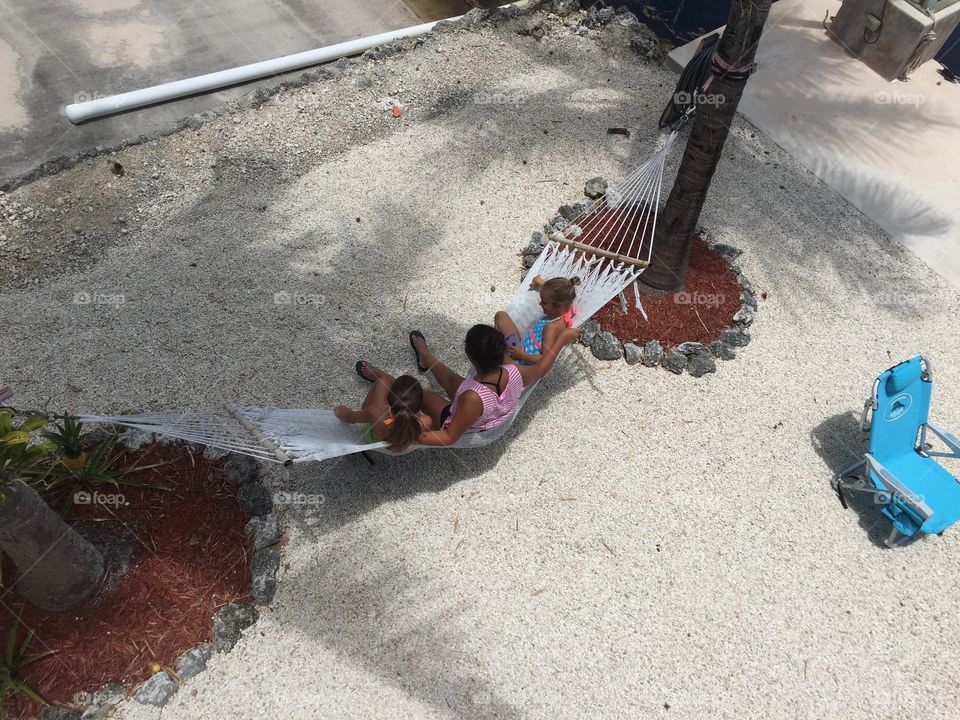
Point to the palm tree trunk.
(711, 124)
(58, 568)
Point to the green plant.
(68, 437)
(19, 458)
(14, 659)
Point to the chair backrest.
(901, 406)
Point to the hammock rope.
(581, 248)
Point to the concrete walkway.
(53, 53)
(888, 148)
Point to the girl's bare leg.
(433, 405)
(448, 379)
(505, 324)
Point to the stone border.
(694, 357)
(644, 42)
(229, 622)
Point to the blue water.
(684, 20)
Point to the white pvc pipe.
(78, 112)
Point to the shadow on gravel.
(839, 441)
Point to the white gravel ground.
(641, 545)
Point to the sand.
(640, 544)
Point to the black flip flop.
(413, 334)
(359, 368)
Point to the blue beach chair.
(911, 488)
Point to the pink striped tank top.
(496, 408)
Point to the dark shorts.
(444, 414)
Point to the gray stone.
(735, 337)
(102, 701)
(532, 26)
(595, 187)
(688, 348)
(157, 690)
(255, 499)
(212, 453)
(565, 7)
(193, 662)
(228, 623)
(133, 440)
(627, 18)
(559, 223)
(265, 531)
(241, 469)
(744, 316)
(675, 361)
(605, 346)
(54, 712)
(632, 353)
(748, 298)
(652, 353)
(605, 15)
(588, 331)
(536, 245)
(727, 252)
(263, 575)
(383, 51)
(569, 212)
(721, 350)
(700, 363)
(529, 260)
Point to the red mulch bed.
(705, 307)
(190, 556)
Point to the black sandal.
(416, 353)
(359, 368)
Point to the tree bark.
(711, 125)
(58, 568)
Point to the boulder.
(229, 622)
(735, 337)
(632, 353)
(605, 346)
(157, 690)
(263, 575)
(255, 499)
(595, 187)
(700, 363)
(674, 361)
(241, 469)
(721, 350)
(588, 331)
(688, 348)
(193, 662)
(264, 529)
(652, 353)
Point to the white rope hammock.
(607, 246)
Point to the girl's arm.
(350, 416)
(518, 353)
(532, 373)
(469, 410)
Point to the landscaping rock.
(652, 353)
(565, 7)
(536, 245)
(727, 252)
(531, 26)
(595, 187)
(193, 662)
(54, 712)
(240, 469)
(688, 348)
(605, 15)
(675, 361)
(721, 350)
(569, 212)
(263, 575)
(605, 346)
(213, 453)
(588, 331)
(102, 701)
(700, 363)
(157, 690)
(228, 624)
(255, 499)
(529, 260)
(132, 440)
(735, 337)
(383, 51)
(744, 316)
(632, 353)
(748, 298)
(265, 531)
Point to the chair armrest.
(949, 439)
(901, 491)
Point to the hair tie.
(569, 315)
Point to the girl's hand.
(536, 282)
(342, 412)
(518, 353)
(568, 334)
